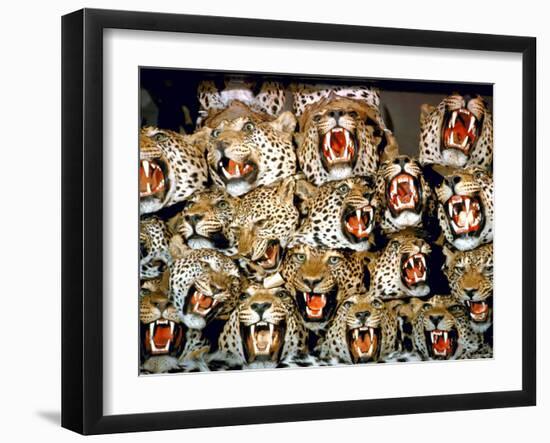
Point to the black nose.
(311, 282)
(221, 146)
(162, 305)
(362, 316)
(193, 219)
(470, 293)
(260, 308)
(436, 319)
(335, 114)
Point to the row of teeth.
(197, 307)
(410, 263)
(252, 334)
(152, 333)
(395, 196)
(466, 217)
(358, 214)
(371, 349)
(452, 122)
(318, 313)
(331, 155)
(434, 335)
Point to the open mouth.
(460, 131)
(358, 223)
(270, 259)
(403, 194)
(152, 178)
(414, 270)
(338, 147)
(162, 337)
(465, 214)
(479, 310)
(315, 306)
(441, 344)
(231, 170)
(200, 303)
(263, 341)
(364, 344)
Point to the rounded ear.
(286, 122)
(425, 111)
(449, 256)
(174, 223)
(178, 249)
(200, 138)
(304, 189)
(286, 190)
(390, 149)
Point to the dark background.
(164, 93)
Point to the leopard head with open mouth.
(457, 133)
(204, 286)
(465, 209)
(340, 214)
(264, 328)
(441, 329)
(171, 167)
(340, 137)
(161, 331)
(234, 157)
(264, 221)
(401, 185)
(470, 275)
(205, 220)
(363, 331)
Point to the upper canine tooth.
(146, 167)
(453, 120)
(472, 123)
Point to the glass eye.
(216, 133)
(343, 188)
(377, 304)
(261, 223)
(426, 306)
(222, 204)
(348, 304)
(333, 260)
(353, 114)
(243, 296)
(317, 118)
(300, 258)
(160, 137)
(248, 127)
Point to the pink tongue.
(440, 344)
(315, 302)
(338, 142)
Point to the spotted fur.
(205, 221)
(470, 275)
(360, 119)
(182, 161)
(265, 146)
(327, 208)
(355, 312)
(432, 120)
(277, 309)
(472, 182)
(445, 313)
(153, 246)
(208, 272)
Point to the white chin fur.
(481, 327)
(160, 364)
(466, 244)
(236, 189)
(405, 219)
(453, 157)
(149, 205)
(194, 321)
(200, 243)
(361, 247)
(419, 291)
(340, 173)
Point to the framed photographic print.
(322, 212)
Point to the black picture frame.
(82, 219)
